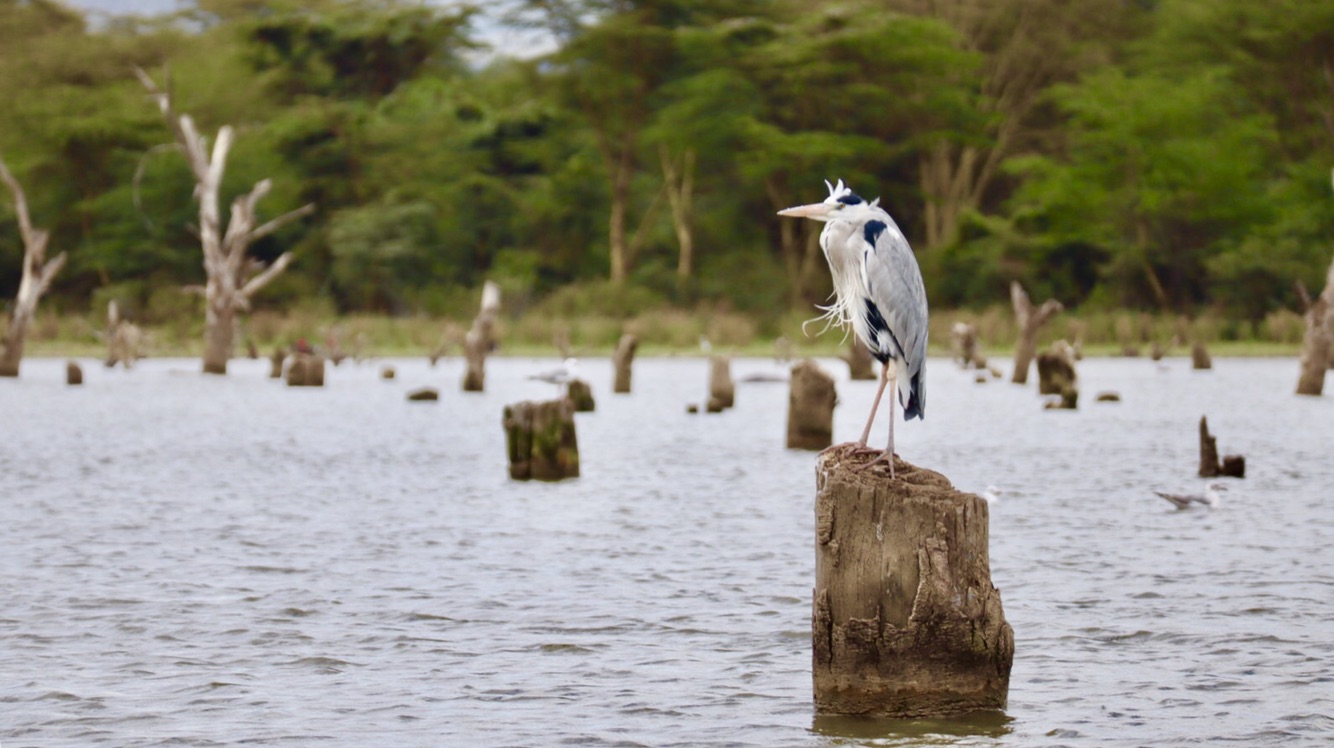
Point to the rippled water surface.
(193, 560)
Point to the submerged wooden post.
(1199, 356)
(860, 366)
(623, 358)
(540, 440)
(581, 395)
(810, 407)
(73, 374)
(722, 392)
(1057, 376)
(1030, 318)
(905, 622)
(276, 363)
(1233, 466)
(305, 370)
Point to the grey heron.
(1210, 498)
(878, 291)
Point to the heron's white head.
(841, 203)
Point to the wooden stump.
(73, 374)
(1209, 465)
(1056, 374)
(810, 407)
(305, 370)
(276, 363)
(581, 395)
(540, 440)
(1318, 339)
(1199, 357)
(1234, 466)
(860, 363)
(722, 391)
(623, 357)
(474, 350)
(1030, 319)
(386, 372)
(424, 394)
(906, 622)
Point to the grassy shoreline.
(669, 333)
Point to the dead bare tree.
(232, 276)
(37, 275)
(1030, 318)
(1318, 342)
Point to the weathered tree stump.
(124, 339)
(1057, 376)
(860, 363)
(622, 358)
(1233, 466)
(810, 407)
(387, 373)
(73, 374)
(722, 391)
(481, 339)
(906, 622)
(276, 362)
(540, 440)
(36, 276)
(1318, 340)
(581, 395)
(1199, 356)
(1030, 319)
(424, 394)
(967, 350)
(305, 370)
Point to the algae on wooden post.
(540, 440)
(906, 622)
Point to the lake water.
(205, 561)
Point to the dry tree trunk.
(1030, 318)
(906, 622)
(481, 339)
(1318, 341)
(124, 339)
(232, 276)
(623, 358)
(38, 273)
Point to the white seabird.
(1210, 498)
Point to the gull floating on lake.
(1184, 501)
(566, 373)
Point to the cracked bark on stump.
(1030, 319)
(906, 622)
(540, 440)
(623, 358)
(810, 407)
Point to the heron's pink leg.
(875, 405)
(888, 454)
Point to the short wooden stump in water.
(305, 370)
(540, 440)
(810, 407)
(73, 373)
(906, 622)
(581, 395)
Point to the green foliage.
(1176, 157)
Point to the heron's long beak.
(818, 211)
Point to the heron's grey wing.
(894, 282)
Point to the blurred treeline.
(1160, 155)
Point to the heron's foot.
(884, 456)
